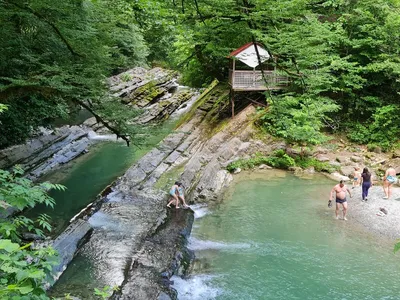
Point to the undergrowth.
(279, 159)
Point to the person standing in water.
(388, 180)
(366, 178)
(340, 190)
(173, 192)
(356, 177)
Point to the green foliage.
(307, 162)
(359, 134)
(248, 163)
(18, 193)
(396, 247)
(340, 56)
(383, 131)
(126, 77)
(297, 119)
(24, 270)
(56, 55)
(279, 159)
(105, 292)
(2, 108)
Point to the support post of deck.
(233, 102)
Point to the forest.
(341, 57)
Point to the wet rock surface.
(137, 244)
(161, 256)
(47, 151)
(137, 87)
(155, 91)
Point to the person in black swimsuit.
(340, 190)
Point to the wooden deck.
(253, 81)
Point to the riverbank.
(132, 229)
(364, 214)
(288, 245)
(369, 215)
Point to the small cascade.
(196, 287)
(200, 210)
(184, 107)
(106, 137)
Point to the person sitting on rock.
(388, 180)
(356, 177)
(173, 192)
(181, 194)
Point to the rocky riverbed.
(154, 91)
(146, 244)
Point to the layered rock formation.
(145, 246)
(155, 91)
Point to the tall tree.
(342, 58)
(56, 55)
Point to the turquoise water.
(273, 237)
(88, 175)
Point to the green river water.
(89, 174)
(273, 237)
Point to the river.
(89, 174)
(273, 237)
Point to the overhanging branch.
(48, 91)
(101, 120)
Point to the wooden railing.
(252, 80)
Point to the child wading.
(356, 177)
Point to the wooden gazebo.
(243, 74)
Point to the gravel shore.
(368, 213)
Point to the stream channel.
(89, 174)
(273, 237)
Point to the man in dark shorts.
(340, 190)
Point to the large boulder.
(337, 176)
(322, 158)
(396, 153)
(347, 170)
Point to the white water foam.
(196, 245)
(185, 107)
(106, 137)
(198, 287)
(200, 210)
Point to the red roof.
(244, 47)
